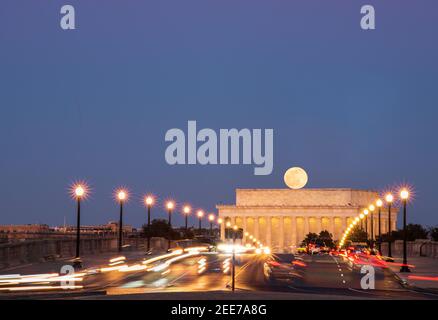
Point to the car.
(282, 268)
(314, 250)
(302, 250)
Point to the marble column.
(256, 227)
(268, 231)
(318, 224)
(293, 221)
(332, 226)
(281, 233)
(245, 229)
(306, 226)
(384, 225)
(344, 224)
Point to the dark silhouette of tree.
(160, 228)
(326, 238)
(188, 234)
(310, 238)
(358, 235)
(433, 233)
(415, 231)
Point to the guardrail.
(17, 253)
(417, 248)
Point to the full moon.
(295, 178)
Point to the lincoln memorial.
(280, 218)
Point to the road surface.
(319, 275)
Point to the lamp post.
(372, 208)
(211, 218)
(389, 198)
(219, 222)
(365, 212)
(200, 214)
(379, 204)
(149, 201)
(186, 211)
(227, 229)
(80, 191)
(233, 270)
(361, 216)
(122, 195)
(169, 205)
(404, 195)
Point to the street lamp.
(233, 270)
(200, 214)
(186, 210)
(122, 196)
(149, 201)
(227, 229)
(365, 212)
(389, 199)
(170, 205)
(79, 192)
(379, 204)
(404, 195)
(211, 218)
(372, 208)
(219, 222)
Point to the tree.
(326, 238)
(414, 231)
(310, 238)
(188, 234)
(358, 235)
(433, 233)
(160, 228)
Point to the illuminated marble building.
(280, 218)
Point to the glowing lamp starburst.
(187, 209)
(79, 190)
(389, 198)
(170, 205)
(149, 201)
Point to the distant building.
(43, 231)
(110, 227)
(25, 228)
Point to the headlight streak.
(42, 282)
(45, 279)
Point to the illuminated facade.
(280, 218)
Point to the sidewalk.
(424, 272)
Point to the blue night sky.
(354, 108)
